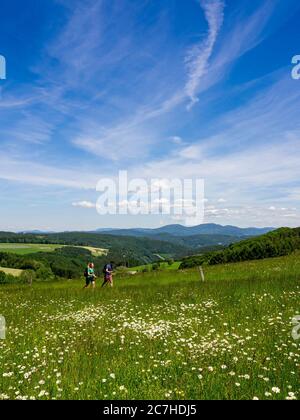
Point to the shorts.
(108, 278)
(89, 280)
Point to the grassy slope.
(25, 249)
(163, 266)
(242, 311)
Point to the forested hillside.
(281, 242)
(122, 247)
(70, 260)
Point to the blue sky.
(190, 89)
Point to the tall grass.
(160, 335)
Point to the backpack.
(86, 273)
(107, 267)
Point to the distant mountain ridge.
(36, 232)
(182, 231)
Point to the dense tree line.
(280, 242)
(141, 250)
(70, 261)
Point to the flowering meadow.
(162, 335)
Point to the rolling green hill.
(281, 242)
(199, 241)
(124, 249)
(66, 254)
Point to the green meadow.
(162, 266)
(24, 249)
(158, 335)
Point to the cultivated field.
(13, 271)
(162, 335)
(24, 249)
(96, 252)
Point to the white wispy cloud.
(29, 128)
(199, 55)
(253, 215)
(204, 70)
(29, 172)
(241, 35)
(86, 48)
(253, 154)
(263, 161)
(118, 144)
(252, 150)
(84, 204)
